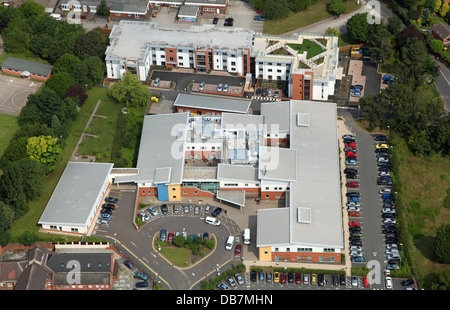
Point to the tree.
(441, 246)
(15, 36)
(60, 83)
(103, 9)
(358, 27)
(378, 43)
(32, 9)
(437, 45)
(332, 32)
(437, 6)
(130, 91)
(44, 149)
(6, 216)
(89, 44)
(336, 7)
(444, 9)
(96, 69)
(394, 25)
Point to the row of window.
(326, 250)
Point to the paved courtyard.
(14, 92)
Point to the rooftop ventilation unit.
(304, 215)
(303, 119)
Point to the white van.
(246, 236)
(229, 244)
(212, 220)
(56, 16)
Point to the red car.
(353, 213)
(283, 278)
(352, 144)
(298, 278)
(350, 153)
(351, 184)
(353, 223)
(237, 251)
(365, 282)
(170, 237)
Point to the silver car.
(219, 87)
(202, 86)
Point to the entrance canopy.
(234, 197)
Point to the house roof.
(26, 65)
(442, 30)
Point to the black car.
(391, 240)
(356, 242)
(215, 20)
(335, 279)
(385, 169)
(351, 176)
(264, 92)
(342, 279)
(108, 206)
(229, 19)
(388, 215)
(142, 284)
(128, 264)
(258, 91)
(393, 261)
(351, 170)
(360, 87)
(320, 279)
(112, 199)
(216, 212)
(381, 138)
(352, 194)
(290, 277)
(227, 24)
(382, 150)
(107, 211)
(253, 275)
(164, 209)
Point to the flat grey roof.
(26, 65)
(317, 188)
(245, 173)
(130, 39)
(76, 193)
(249, 122)
(277, 163)
(161, 150)
(212, 103)
(236, 197)
(276, 115)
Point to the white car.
(393, 256)
(144, 216)
(388, 282)
(389, 220)
(384, 173)
(354, 281)
(392, 251)
(353, 208)
(355, 253)
(353, 204)
(355, 248)
(385, 191)
(382, 159)
(388, 210)
(391, 246)
(202, 86)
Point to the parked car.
(350, 162)
(170, 237)
(216, 212)
(215, 20)
(342, 279)
(381, 138)
(366, 282)
(156, 82)
(230, 281)
(219, 87)
(314, 279)
(306, 278)
(222, 286)
(352, 208)
(354, 281)
(109, 206)
(388, 281)
(112, 199)
(164, 209)
(141, 284)
(351, 184)
(153, 211)
(283, 278)
(298, 278)
(207, 208)
(202, 84)
(239, 278)
(382, 146)
(290, 277)
(276, 93)
(321, 279)
(128, 264)
(353, 214)
(352, 194)
(253, 275)
(335, 279)
(407, 282)
(276, 277)
(140, 275)
(225, 88)
(259, 18)
(186, 209)
(268, 277)
(348, 137)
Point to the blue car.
(350, 162)
(142, 284)
(357, 259)
(260, 18)
(381, 138)
(349, 199)
(387, 196)
(163, 235)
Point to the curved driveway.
(137, 246)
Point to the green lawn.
(103, 126)
(313, 14)
(309, 46)
(28, 222)
(8, 126)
